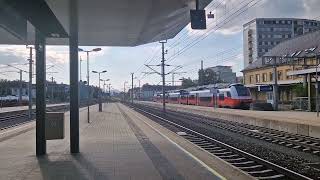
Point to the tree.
(207, 76)
(186, 83)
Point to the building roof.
(306, 45)
(254, 20)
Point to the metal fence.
(301, 103)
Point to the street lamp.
(124, 90)
(100, 103)
(104, 83)
(89, 90)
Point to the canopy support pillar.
(74, 79)
(40, 46)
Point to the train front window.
(242, 91)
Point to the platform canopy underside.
(116, 22)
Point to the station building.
(262, 34)
(290, 56)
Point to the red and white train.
(235, 96)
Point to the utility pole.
(124, 90)
(52, 79)
(109, 90)
(30, 84)
(89, 88)
(132, 88)
(20, 89)
(163, 77)
(139, 91)
(275, 85)
(80, 69)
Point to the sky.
(220, 44)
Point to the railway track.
(17, 118)
(302, 143)
(253, 165)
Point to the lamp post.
(88, 72)
(99, 94)
(104, 84)
(109, 86)
(124, 90)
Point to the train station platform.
(297, 122)
(119, 143)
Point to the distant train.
(9, 101)
(235, 96)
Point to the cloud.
(55, 54)
(264, 8)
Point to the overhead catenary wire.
(149, 60)
(236, 13)
(209, 31)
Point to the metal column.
(132, 88)
(41, 145)
(30, 84)
(163, 79)
(74, 77)
(20, 88)
(89, 88)
(275, 88)
(309, 92)
(99, 93)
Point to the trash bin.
(54, 125)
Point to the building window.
(288, 76)
(264, 77)
(271, 76)
(280, 75)
(257, 78)
(251, 79)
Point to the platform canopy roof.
(105, 22)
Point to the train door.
(221, 100)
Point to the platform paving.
(113, 146)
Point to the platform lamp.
(100, 102)
(88, 77)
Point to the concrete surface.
(116, 145)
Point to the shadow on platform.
(69, 167)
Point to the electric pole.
(174, 73)
(139, 91)
(275, 86)
(124, 90)
(52, 79)
(132, 88)
(80, 69)
(30, 83)
(20, 89)
(163, 77)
